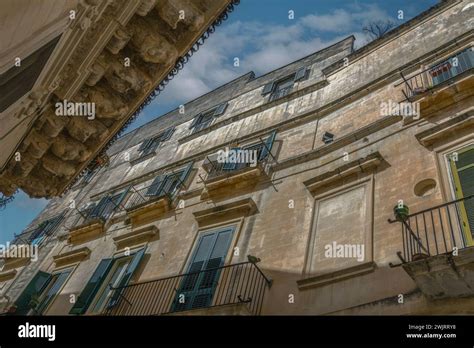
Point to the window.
(99, 292)
(283, 87)
(169, 183)
(149, 145)
(41, 292)
(205, 119)
(199, 286)
(462, 171)
(55, 284)
(105, 207)
(45, 229)
(453, 66)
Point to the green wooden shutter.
(230, 165)
(300, 74)
(145, 144)
(156, 186)
(167, 134)
(90, 290)
(99, 208)
(268, 88)
(220, 109)
(59, 279)
(195, 121)
(34, 287)
(268, 146)
(464, 168)
(132, 266)
(185, 173)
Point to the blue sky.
(262, 36)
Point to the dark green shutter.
(220, 109)
(145, 144)
(185, 173)
(268, 146)
(99, 207)
(34, 287)
(300, 74)
(167, 134)
(155, 186)
(268, 88)
(230, 165)
(465, 168)
(132, 266)
(59, 279)
(195, 121)
(90, 290)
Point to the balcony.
(229, 177)
(232, 289)
(143, 205)
(437, 248)
(90, 222)
(443, 84)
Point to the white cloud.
(262, 48)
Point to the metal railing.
(218, 169)
(437, 230)
(433, 76)
(280, 93)
(146, 195)
(240, 283)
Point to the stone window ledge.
(362, 165)
(85, 232)
(333, 277)
(135, 237)
(446, 129)
(243, 207)
(71, 256)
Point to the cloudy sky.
(263, 37)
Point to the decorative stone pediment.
(135, 237)
(71, 256)
(85, 232)
(228, 211)
(7, 275)
(363, 165)
(454, 127)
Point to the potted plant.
(401, 212)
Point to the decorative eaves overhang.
(89, 66)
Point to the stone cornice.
(88, 66)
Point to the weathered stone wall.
(292, 223)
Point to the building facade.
(341, 183)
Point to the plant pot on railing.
(401, 212)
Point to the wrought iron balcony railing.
(437, 230)
(261, 156)
(147, 195)
(280, 93)
(444, 71)
(240, 283)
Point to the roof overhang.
(110, 61)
